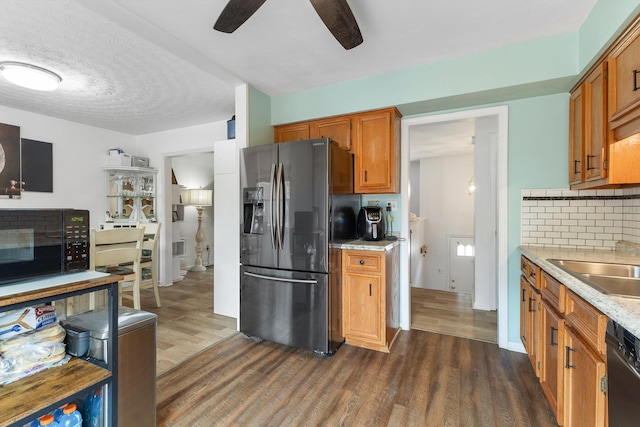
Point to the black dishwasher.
(623, 366)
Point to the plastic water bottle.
(97, 416)
(86, 410)
(58, 413)
(70, 416)
(48, 421)
(92, 410)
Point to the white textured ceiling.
(140, 66)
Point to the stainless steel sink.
(608, 278)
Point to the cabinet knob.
(361, 262)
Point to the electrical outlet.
(374, 202)
(441, 271)
(394, 205)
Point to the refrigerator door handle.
(281, 201)
(272, 214)
(281, 279)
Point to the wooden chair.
(118, 252)
(149, 258)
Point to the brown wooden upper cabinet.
(604, 123)
(588, 130)
(292, 132)
(373, 137)
(377, 152)
(336, 128)
(624, 85)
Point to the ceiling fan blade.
(337, 16)
(235, 13)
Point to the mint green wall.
(538, 158)
(607, 19)
(541, 61)
(259, 118)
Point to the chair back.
(151, 236)
(114, 247)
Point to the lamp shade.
(197, 197)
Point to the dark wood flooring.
(428, 379)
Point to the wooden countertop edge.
(53, 291)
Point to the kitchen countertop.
(623, 310)
(365, 245)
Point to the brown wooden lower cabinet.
(370, 298)
(551, 340)
(564, 337)
(584, 384)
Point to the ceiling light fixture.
(29, 76)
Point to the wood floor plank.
(186, 322)
(451, 313)
(427, 380)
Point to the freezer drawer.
(286, 307)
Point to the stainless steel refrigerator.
(289, 277)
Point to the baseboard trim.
(516, 346)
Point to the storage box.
(119, 159)
(141, 162)
(77, 341)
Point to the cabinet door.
(377, 152)
(624, 76)
(524, 304)
(552, 334)
(533, 325)
(336, 128)
(292, 132)
(595, 124)
(584, 392)
(576, 143)
(362, 307)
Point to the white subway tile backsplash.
(585, 219)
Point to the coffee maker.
(371, 223)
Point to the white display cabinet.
(130, 194)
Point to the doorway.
(187, 323)
(489, 223)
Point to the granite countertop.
(623, 310)
(365, 245)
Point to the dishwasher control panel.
(628, 344)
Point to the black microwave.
(42, 242)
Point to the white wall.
(79, 156)
(196, 171)
(414, 187)
(447, 208)
(485, 295)
(160, 147)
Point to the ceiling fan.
(336, 15)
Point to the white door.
(461, 264)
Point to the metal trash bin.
(136, 359)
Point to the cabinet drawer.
(529, 271)
(363, 261)
(586, 320)
(553, 292)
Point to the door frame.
(501, 211)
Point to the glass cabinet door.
(131, 194)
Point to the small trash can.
(136, 359)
